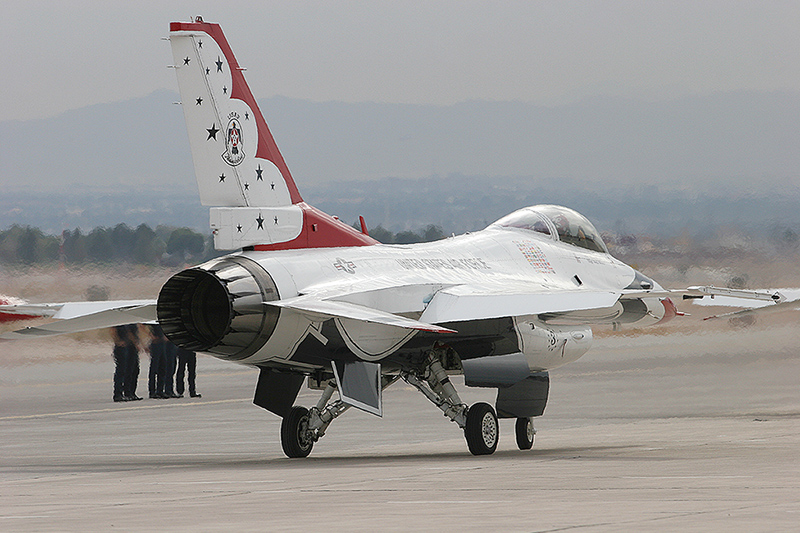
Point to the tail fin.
(238, 166)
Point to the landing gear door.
(359, 385)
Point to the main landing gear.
(302, 427)
(479, 421)
(481, 429)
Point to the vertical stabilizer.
(236, 160)
(240, 171)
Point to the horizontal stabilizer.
(102, 319)
(66, 310)
(237, 227)
(334, 309)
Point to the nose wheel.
(525, 433)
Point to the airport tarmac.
(649, 432)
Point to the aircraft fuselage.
(518, 267)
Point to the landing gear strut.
(479, 422)
(301, 428)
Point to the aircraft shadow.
(202, 461)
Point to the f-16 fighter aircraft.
(309, 298)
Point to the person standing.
(156, 375)
(187, 360)
(126, 361)
(132, 367)
(170, 362)
(119, 334)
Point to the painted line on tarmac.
(118, 409)
(28, 384)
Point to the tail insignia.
(234, 143)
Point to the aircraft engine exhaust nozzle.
(218, 308)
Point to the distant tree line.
(428, 234)
(164, 245)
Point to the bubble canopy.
(558, 223)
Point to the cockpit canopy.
(553, 220)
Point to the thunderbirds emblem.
(234, 142)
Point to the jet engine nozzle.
(219, 308)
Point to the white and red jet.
(309, 297)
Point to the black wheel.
(525, 433)
(294, 433)
(482, 431)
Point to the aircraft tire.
(482, 430)
(294, 441)
(525, 433)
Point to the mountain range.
(728, 156)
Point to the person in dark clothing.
(170, 362)
(119, 334)
(163, 357)
(126, 360)
(158, 362)
(187, 360)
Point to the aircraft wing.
(459, 303)
(691, 293)
(735, 298)
(77, 317)
(338, 309)
(477, 302)
(434, 304)
(761, 310)
(790, 301)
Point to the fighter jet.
(307, 298)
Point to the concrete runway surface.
(645, 433)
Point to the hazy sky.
(69, 54)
